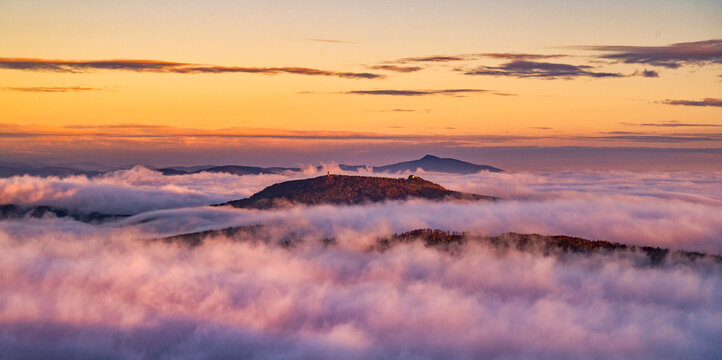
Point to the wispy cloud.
(542, 70)
(331, 41)
(155, 66)
(647, 73)
(518, 56)
(704, 102)
(399, 110)
(670, 56)
(453, 92)
(673, 124)
(396, 68)
(468, 57)
(45, 89)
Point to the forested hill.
(348, 190)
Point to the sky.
(280, 82)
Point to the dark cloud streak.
(705, 102)
(670, 56)
(541, 70)
(154, 66)
(41, 89)
(453, 92)
(396, 68)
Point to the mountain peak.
(430, 157)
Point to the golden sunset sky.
(159, 75)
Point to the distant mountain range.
(12, 211)
(9, 171)
(230, 169)
(347, 190)
(427, 163)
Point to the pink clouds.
(322, 302)
(69, 289)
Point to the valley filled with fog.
(107, 290)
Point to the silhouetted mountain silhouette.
(12, 211)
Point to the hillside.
(348, 190)
(452, 242)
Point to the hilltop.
(349, 190)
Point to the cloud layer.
(670, 56)
(111, 296)
(668, 209)
(71, 289)
(542, 70)
(156, 66)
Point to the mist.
(70, 289)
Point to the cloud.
(330, 41)
(651, 208)
(453, 92)
(670, 56)
(73, 290)
(517, 56)
(396, 68)
(542, 70)
(705, 102)
(654, 138)
(647, 73)
(469, 57)
(155, 66)
(674, 124)
(399, 110)
(160, 146)
(437, 58)
(58, 89)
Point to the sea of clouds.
(75, 290)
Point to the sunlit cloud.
(673, 124)
(331, 41)
(453, 92)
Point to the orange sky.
(317, 68)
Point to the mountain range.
(427, 163)
(12, 211)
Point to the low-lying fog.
(69, 288)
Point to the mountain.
(544, 245)
(8, 171)
(347, 190)
(12, 211)
(437, 164)
(426, 163)
(230, 169)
